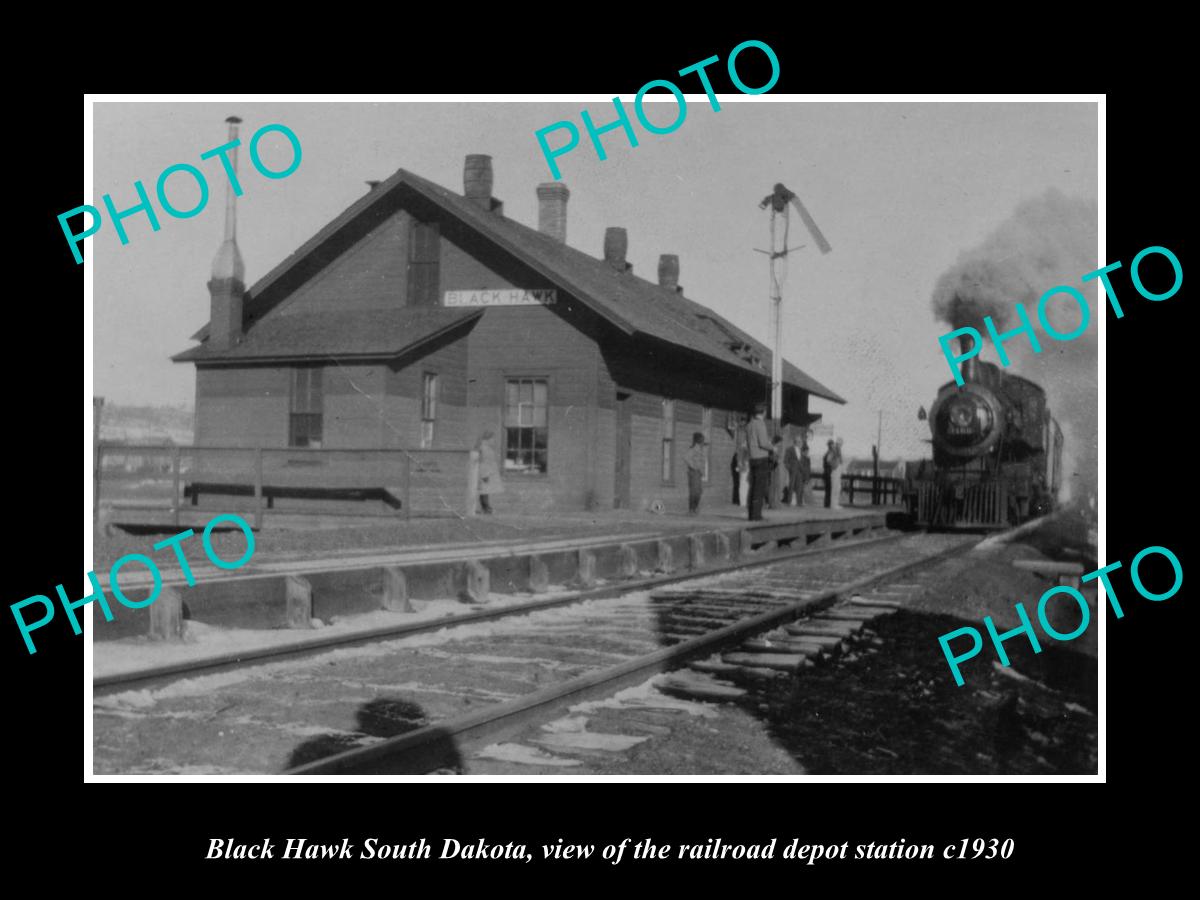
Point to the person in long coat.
(828, 464)
(805, 471)
(794, 487)
(838, 466)
(489, 472)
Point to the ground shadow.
(382, 717)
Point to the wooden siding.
(541, 342)
(403, 385)
(371, 274)
(352, 415)
(242, 407)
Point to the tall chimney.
(668, 271)
(477, 180)
(616, 243)
(552, 210)
(227, 286)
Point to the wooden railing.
(881, 491)
(403, 482)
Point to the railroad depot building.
(419, 318)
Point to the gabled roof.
(629, 302)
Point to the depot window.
(526, 432)
(429, 392)
(668, 440)
(307, 408)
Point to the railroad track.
(158, 676)
(473, 685)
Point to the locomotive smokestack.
(968, 366)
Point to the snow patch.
(647, 696)
(590, 740)
(523, 755)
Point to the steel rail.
(434, 745)
(143, 678)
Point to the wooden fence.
(392, 482)
(882, 490)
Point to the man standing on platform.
(793, 492)
(760, 461)
(695, 460)
(828, 464)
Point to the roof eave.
(190, 354)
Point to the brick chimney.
(227, 286)
(552, 210)
(668, 272)
(477, 180)
(616, 244)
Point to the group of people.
(762, 467)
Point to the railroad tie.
(684, 628)
(881, 604)
(778, 645)
(820, 640)
(699, 687)
(839, 629)
(784, 662)
(843, 614)
(714, 666)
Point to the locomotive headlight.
(962, 414)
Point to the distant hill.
(146, 424)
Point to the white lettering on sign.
(505, 297)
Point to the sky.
(900, 190)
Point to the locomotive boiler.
(997, 453)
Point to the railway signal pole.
(779, 201)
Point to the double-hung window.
(307, 407)
(526, 429)
(429, 397)
(668, 440)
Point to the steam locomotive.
(997, 453)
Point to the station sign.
(503, 297)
